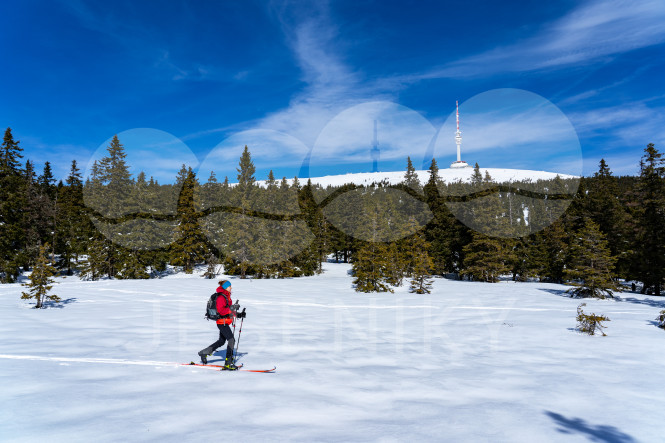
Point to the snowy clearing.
(469, 362)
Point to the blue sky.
(541, 86)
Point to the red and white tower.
(458, 141)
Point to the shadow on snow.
(617, 297)
(58, 304)
(599, 433)
(559, 292)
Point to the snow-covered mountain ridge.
(447, 175)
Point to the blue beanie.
(226, 285)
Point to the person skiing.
(227, 312)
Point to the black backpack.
(211, 308)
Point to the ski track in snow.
(469, 362)
(89, 360)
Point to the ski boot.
(229, 365)
(204, 357)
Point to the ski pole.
(234, 320)
(235, 354)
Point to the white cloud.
(593, 32)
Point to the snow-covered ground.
(448, 175)
(469, 362)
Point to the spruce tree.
(74, 227)
(411, 177)
(476, 177)
(109, 192)
(212, 266)
(10, 155)
(649, 263)
(602, 204)
(41, 280)
(132, 266)
(397, 263)
(12, 205)
(35, 224)
(441, 229)
(486, 258)
(190, 248)
(239, 234)
(48, 195)
(371, 263)
(547, 252)
(211, 196)
(311, 258)
(370, 268)
(47, 182)
(114, 169)
(95, 264)
(246, 179)
(520, 259)
(591, 263)
(420, 264)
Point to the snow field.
(469, 362)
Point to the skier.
(227, 312)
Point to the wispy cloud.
(140, 38)
(270, 150)
(325, 115)
(594, 32)
(348, 138)
(60, 156)
(330, 85)
(512, 128)
(597, 91)
(626, 130)
(627, 122)
(194, 72)
(156, 153)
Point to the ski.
(266, 371)
(221, 368)
(205, 366)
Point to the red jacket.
(224, 307)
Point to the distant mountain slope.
(447, 175)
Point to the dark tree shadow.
(559, 292)
(58, 304)
(647, 302)
(617, 297)
(655, 323)
(599, 433)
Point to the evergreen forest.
(593, 233)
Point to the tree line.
(589, 231)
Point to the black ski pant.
(225, 335)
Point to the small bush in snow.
(661, 319)
(590, 323)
